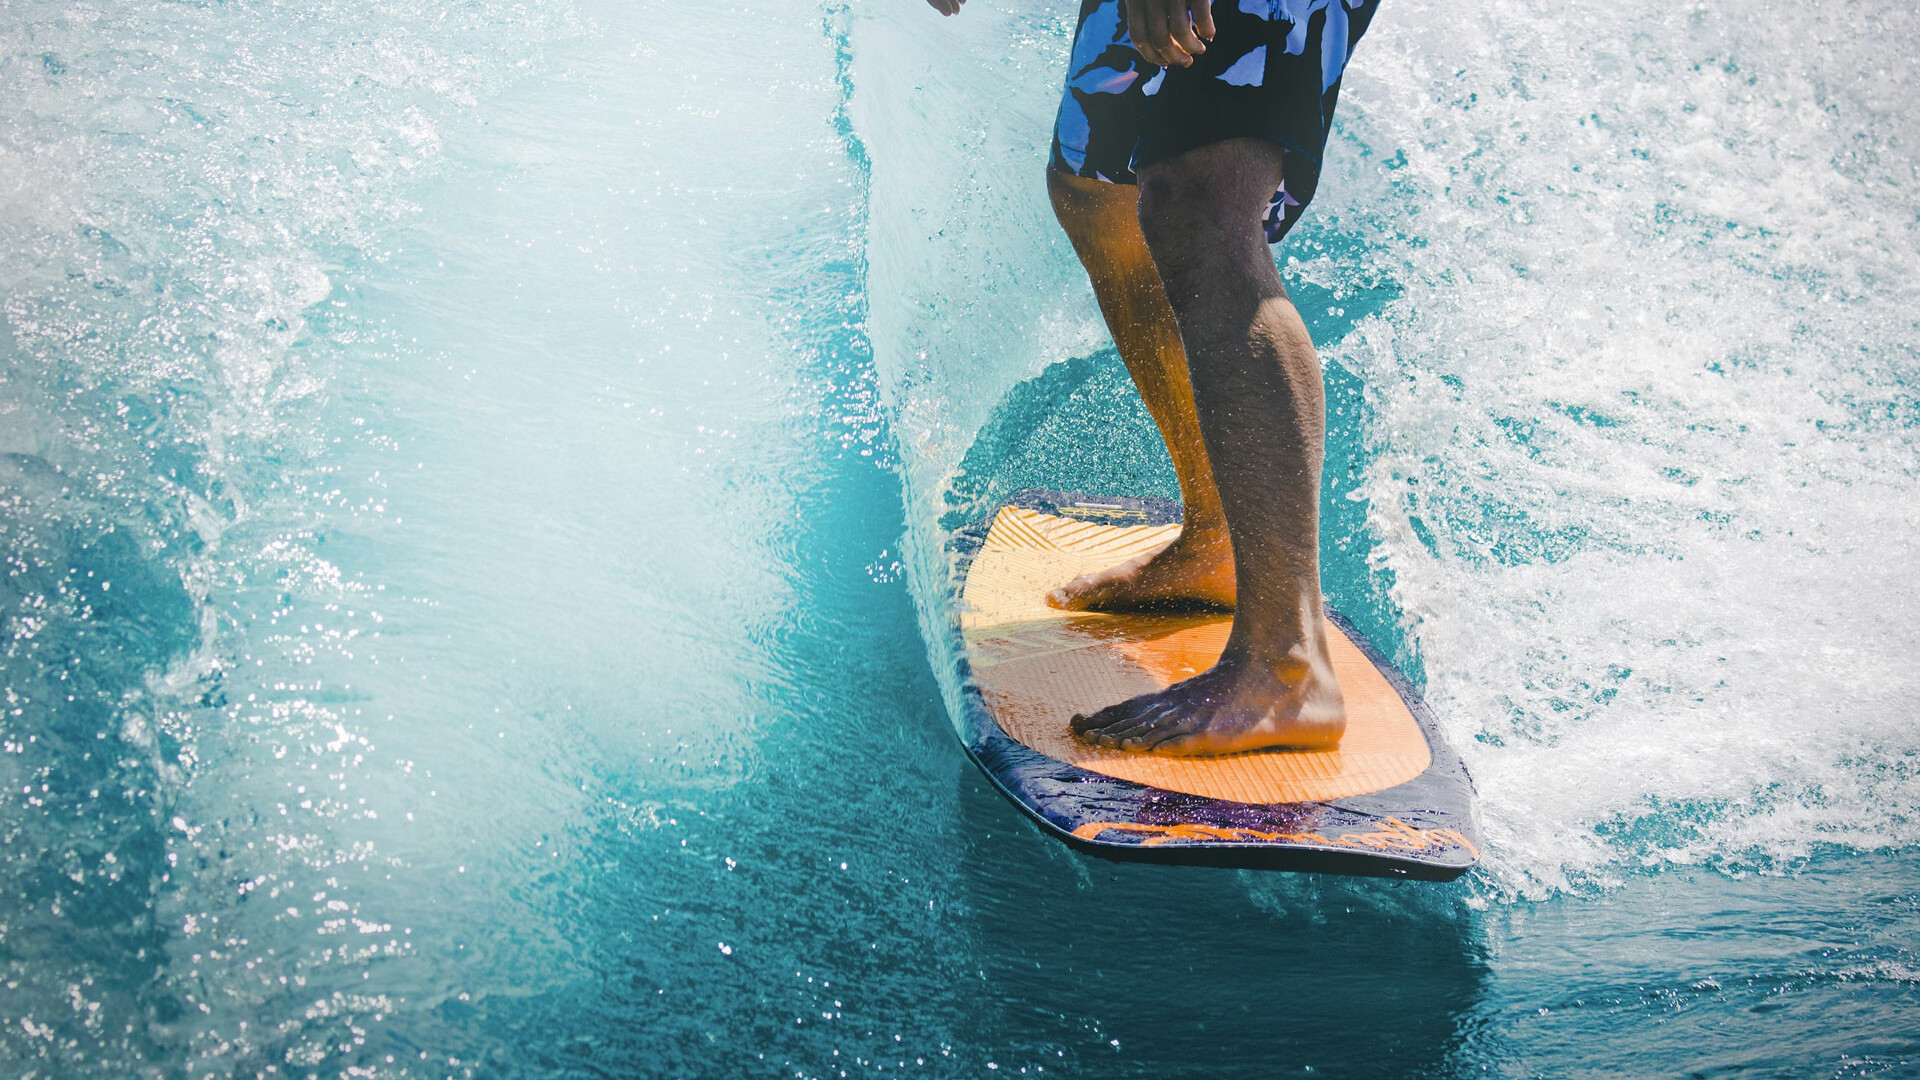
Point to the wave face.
(1616, 307)
(419, 424)
(451, 607)
(185, 188)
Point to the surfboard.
(1392, 800)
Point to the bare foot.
(1185, 574)
(1236, 705)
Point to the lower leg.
(1102, 221)
(1260, 404)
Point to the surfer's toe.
(1139, 723)
(1100, 728)
(1186, 574)
(1230, 708)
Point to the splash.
(183, 186)
(1628, 293)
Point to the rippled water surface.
(473, 476)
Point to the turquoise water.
(471, 481)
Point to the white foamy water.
(1641, 410)
(1646, 420)
(386, 395)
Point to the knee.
(1208, 200)
(1181, 215)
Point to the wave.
(185, 185)
(1616, 305)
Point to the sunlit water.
(472, 479)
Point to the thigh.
(1272, 72)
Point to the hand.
(946, 7)
(1169, 32)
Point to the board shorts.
(1271, 72)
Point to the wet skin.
(1196, 569)
(1187, 283)
(1252, 393)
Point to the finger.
(1202, 17)
(1180, 29)
(1137, 17)
(1160, 35)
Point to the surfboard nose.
(1391, 798)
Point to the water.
(472, 482)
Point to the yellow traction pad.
(1036, 667)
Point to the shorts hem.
(1055, 163)
(1145, 156)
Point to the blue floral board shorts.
(1271, 72)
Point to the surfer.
(1189, 139)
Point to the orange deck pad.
(1036, 667)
